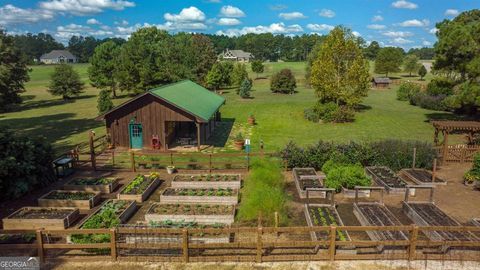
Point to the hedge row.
(396, 154)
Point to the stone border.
(303, 193)
(10, 223)
(200, 219)
(124, 216)
(382, 183)
(223, 200)
(140, 198)
(107, 189)
(313, 235)
(80, 204)
(409, 176)
(206, 184)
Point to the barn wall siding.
(149, 111)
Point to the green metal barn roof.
(190, 97)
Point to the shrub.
(332, 112)
(429, 102)
(474, 173)
(245, 88)
(264, 193)
(104, 103)
(407, 90)
(440, 86)
(347, 176)
(283, 82)
(311, 115)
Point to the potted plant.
(470, 178)
(251, 120)
(170, 169)
(239, 141)
(143, 162)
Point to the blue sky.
(391, 22)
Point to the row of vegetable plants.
(140, 187)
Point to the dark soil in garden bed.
(207, 178)
(67, 195)
(324, 216)
(423, 176)
(191, 209)
(44, 213)
(310, 183)
(304, 172)
(436, 217)
(388, 177)
(377, 215)
(92, 181)
(199, 192)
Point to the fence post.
(185, 245)
(113, 244)
(210, 163)
(434, 171)
(259, 244)
(248, 161)
(414, 157)
(40, 252)
(132, 161)
(413, 243)
(113, 157)
(331, 249)
(92, 150)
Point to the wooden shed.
(182, 113)
(381, 82)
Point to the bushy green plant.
(311, 115)
(264, 193)
(407, 90)
(283, 82)
(429, 102)
(474, 173)
(347, 176)
(440, 86)
(332, 112)
(104, 102)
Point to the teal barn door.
(136, 137)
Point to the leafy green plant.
(347, 176)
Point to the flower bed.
(103, 184)
(308, 178)
(198, 213)
(213, 196)
(33, 218)
(66, 198)
(207, 181)
(326, 215)
(421, 177)
(140, 188)
(385, 177)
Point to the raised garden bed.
(195, 196)
(102, 184)
(69, 198)
(198, 213)
(123, 210)
(140, 188)
(307, 178)
(350, 193)
(387, 178)
(33, 218)
(232, 181)
(327, 215)
(376, 214)
(421, 177)
(428, 214)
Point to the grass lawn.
(279, 117)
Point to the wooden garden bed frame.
(106, 189)
(379, 181)
(185, 199)
(140, 198)
(80, 204)
(206, 184)
(406, 173)
(12, 223)
(123, 217)
(227, 219)
(340, 249)
(420, 221)
(359, 212)
(303, 193)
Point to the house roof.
(186, 95)
(238, 53)
(57, 53)
(381, 80)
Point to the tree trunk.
(114, 91)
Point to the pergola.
(469, 128)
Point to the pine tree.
(65, 82)
(245, 88)
(214, 77)
(422, 72)
(104, 103)
(103, 66)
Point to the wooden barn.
(182, 114)
(378, 82)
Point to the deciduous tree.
(204, 56)
(389, 59)
(65, 82)
(258, 67)
(239, 74)
(411, 64)
(422, 71)
(283, 82)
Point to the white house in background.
(57, 57)
(236, 55)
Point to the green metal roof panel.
(191, 97)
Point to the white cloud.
(327, 13)
(10, 14)
(401, 41)
(67, 31)
(376, 26)
(357, 34)
(433, 31)
(320, 27)
(191, 14)
(232, 12)
(278, 7)
(404, 4)
(292, 15)
(93, 21)
(415, 23)
(228, 21)
(274, 28)
(451, 12)
(395, 34)
(377, 18)
(84, 7)
(122, 22)
(426, 43)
